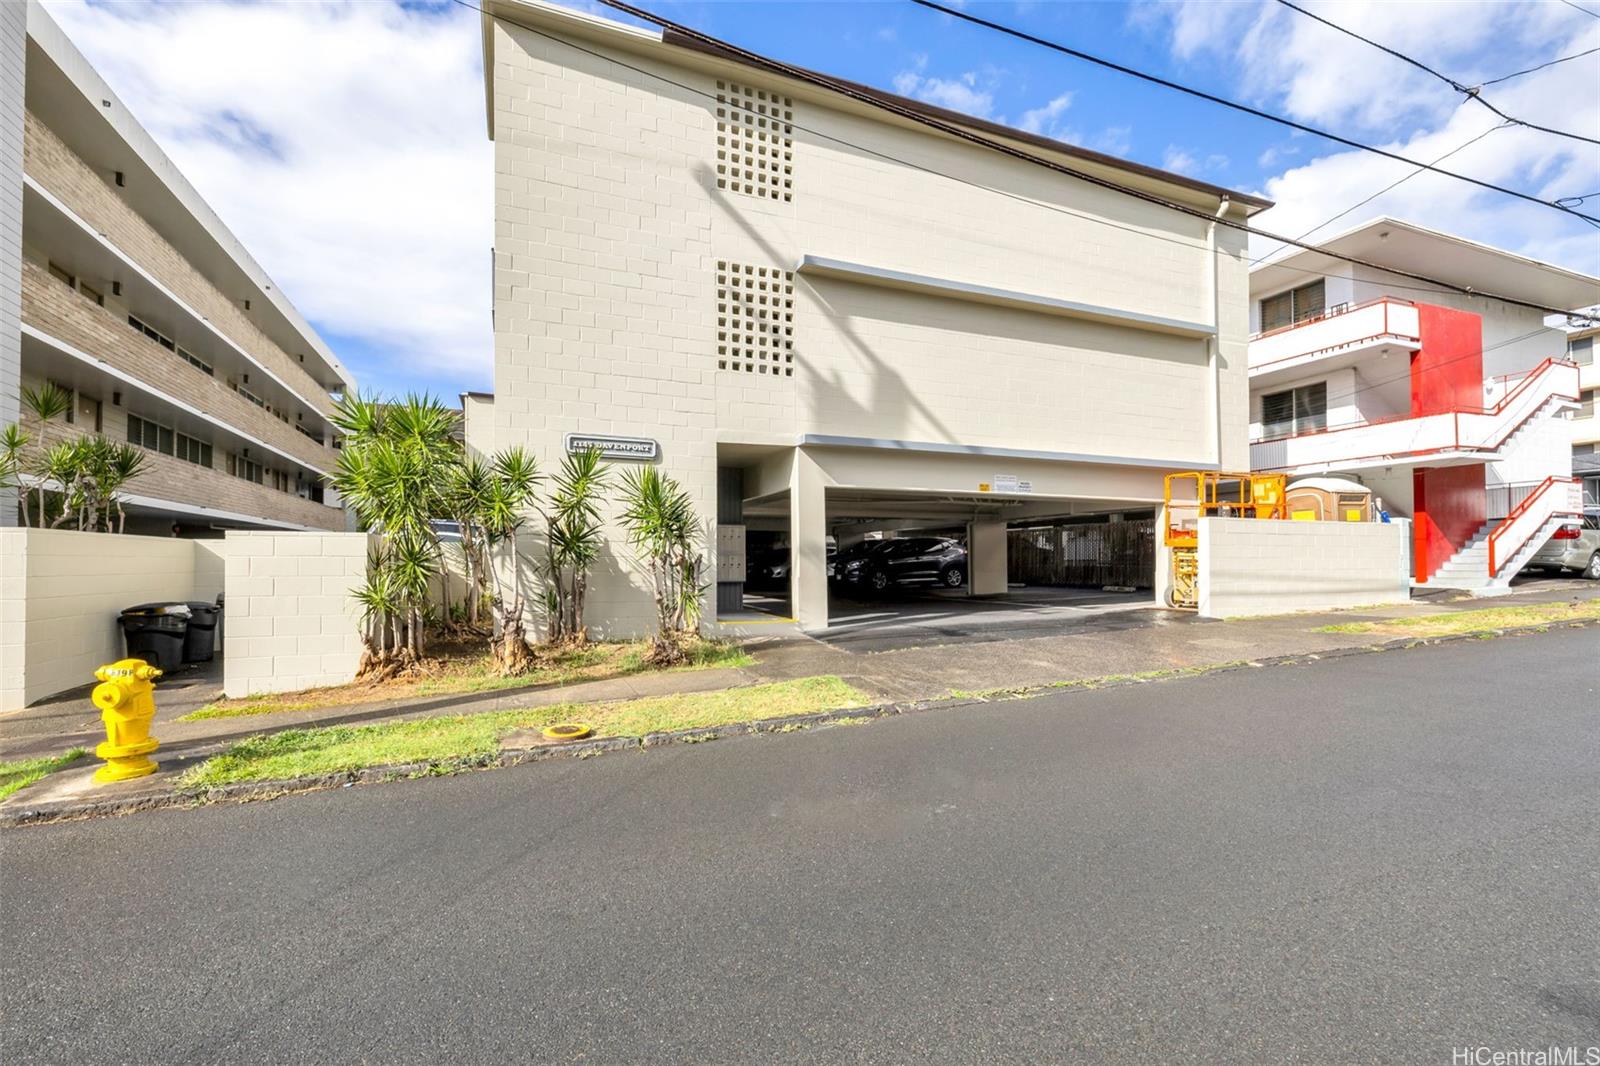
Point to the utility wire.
(1541, 66)
(1433, 286)
(1470, 92)
(965, 134)
(1436, 287)
(1392, 185)
(1585, 10)
(1223, 101)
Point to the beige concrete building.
(827, 319)
(137, 299)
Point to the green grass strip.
(333, 749)
(24, 772)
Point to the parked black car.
(882, 564)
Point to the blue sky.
(344, 141)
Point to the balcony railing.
(1342, 328)
(1480, 430)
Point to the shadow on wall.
(890, 389)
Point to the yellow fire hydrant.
(127, 705)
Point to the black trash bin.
(200, 642)
(156, 632)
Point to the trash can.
(155, 632)
(200, 642)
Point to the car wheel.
(879, 580)
(1592, 571)
(954, 577)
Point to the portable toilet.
(1329, 499)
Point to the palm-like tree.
(573, 536)
(508, 493)
(468, 497)
(13, 441)
(45, 404)
(394, 472)
(660, 518)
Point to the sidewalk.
(1128, 642)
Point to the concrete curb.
(585, 749)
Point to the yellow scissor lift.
(1198, 494)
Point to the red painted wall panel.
(1450, 506)
(1447, 373)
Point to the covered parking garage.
(1044, 535)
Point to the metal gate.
(1087, 554)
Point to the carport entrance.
(903, 563)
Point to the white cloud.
(344, 143)
(1047, 119)
(1295, 65)
(1113, 140)
(971, 92)
(1179, 161)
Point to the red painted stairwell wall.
(1449, 503)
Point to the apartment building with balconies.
(1454, 409)
(1581, 347)
(827, 319)
(135, 298)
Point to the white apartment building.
(819, 314)
(120, 285)
(1585, 422)
(1453, 409)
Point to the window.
(1296, 305)
(198, 363)
(170, 345)
(62, 276)
(1586, 410)
(93, 294)
(1295, 411)
(1582, 351)
(241, 467)
(158, 438)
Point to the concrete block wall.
(604, 306)
(291, 622)
(61, 592)
(1253, 567)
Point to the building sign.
(637, 449)
(1007, 483)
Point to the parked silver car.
(1576, 546)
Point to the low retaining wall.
(291, 622)
(1252, 567)
(61, 592)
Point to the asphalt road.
(1373, 859)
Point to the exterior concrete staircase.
(1482, 566)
